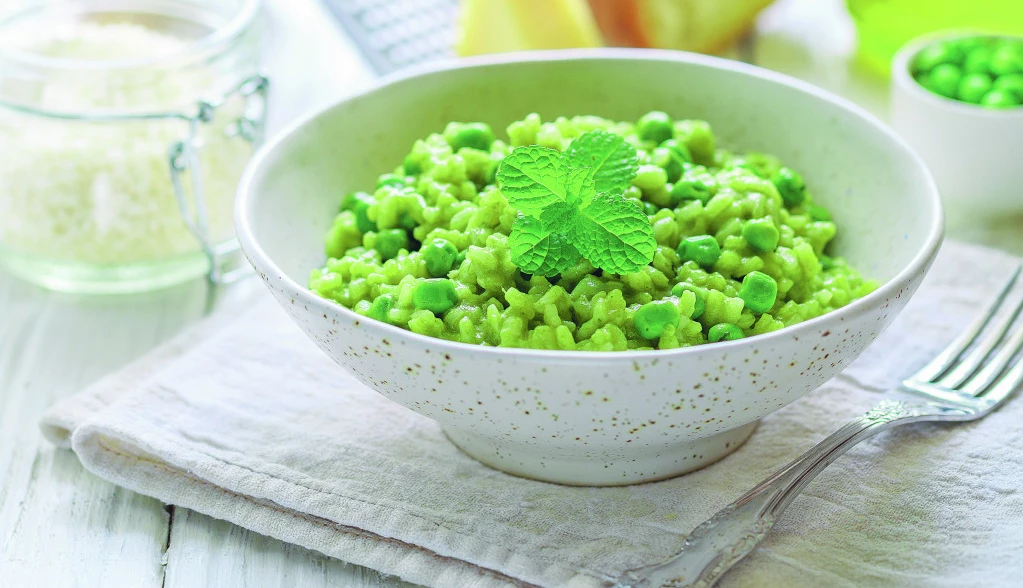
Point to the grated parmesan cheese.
(100, 193)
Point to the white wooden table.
(60, 526)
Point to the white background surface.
(61, 526)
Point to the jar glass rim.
(235, 26)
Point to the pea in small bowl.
(595, 418)
(957, 99)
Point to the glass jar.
(124, 128)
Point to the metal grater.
(394, 34)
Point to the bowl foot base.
(632, 467)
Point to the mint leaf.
(612, 160)
(579, 186)
(532, 178)
(571, 204)
(559, 216)
(614, 234)
(535, 249)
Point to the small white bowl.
(585, 417)
(974, 153)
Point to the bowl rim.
(903, 80)
(263, 263)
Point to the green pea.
(653, 317)
(649, 208)
(390, 242)
(753, 169)
(680, 149)
(978, 60)
(669, 161)
(1000, 99)
(690, 189)
(701, 302)
(381, 307)
(390, 180)
(650, 178)
(759, 291)
(1010, 83)
(973, 87)
(474, 136)
(439, 256)
(970, 44)
(724, 332)
(436, 295)
(407, 221)
(702, 249)
(937, 54)
(359, 203)
(819, 213)
(348, 201)
(655, 126)
(943, 80)
(790, 185)
(1006, 60)
(411, 167)
(459, 259)
(761, 234)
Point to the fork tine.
(946, 358)
(969, 364)
(980, 382)
(1006, 385)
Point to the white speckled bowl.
(579, 417)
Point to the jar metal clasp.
(184, 160)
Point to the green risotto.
(585, 234)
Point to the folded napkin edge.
(105, 456)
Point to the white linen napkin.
(242, 418)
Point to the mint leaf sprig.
(571, 204)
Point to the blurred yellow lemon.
(495, 26)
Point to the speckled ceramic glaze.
(580, 417)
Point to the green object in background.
(979, 69)
(973, 87)
(1012, 83)
(883, 26)
(978, 61)
(943, 79)
(999, 99)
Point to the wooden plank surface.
(60, 525)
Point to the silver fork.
(972, 377)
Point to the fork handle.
(731, 534)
